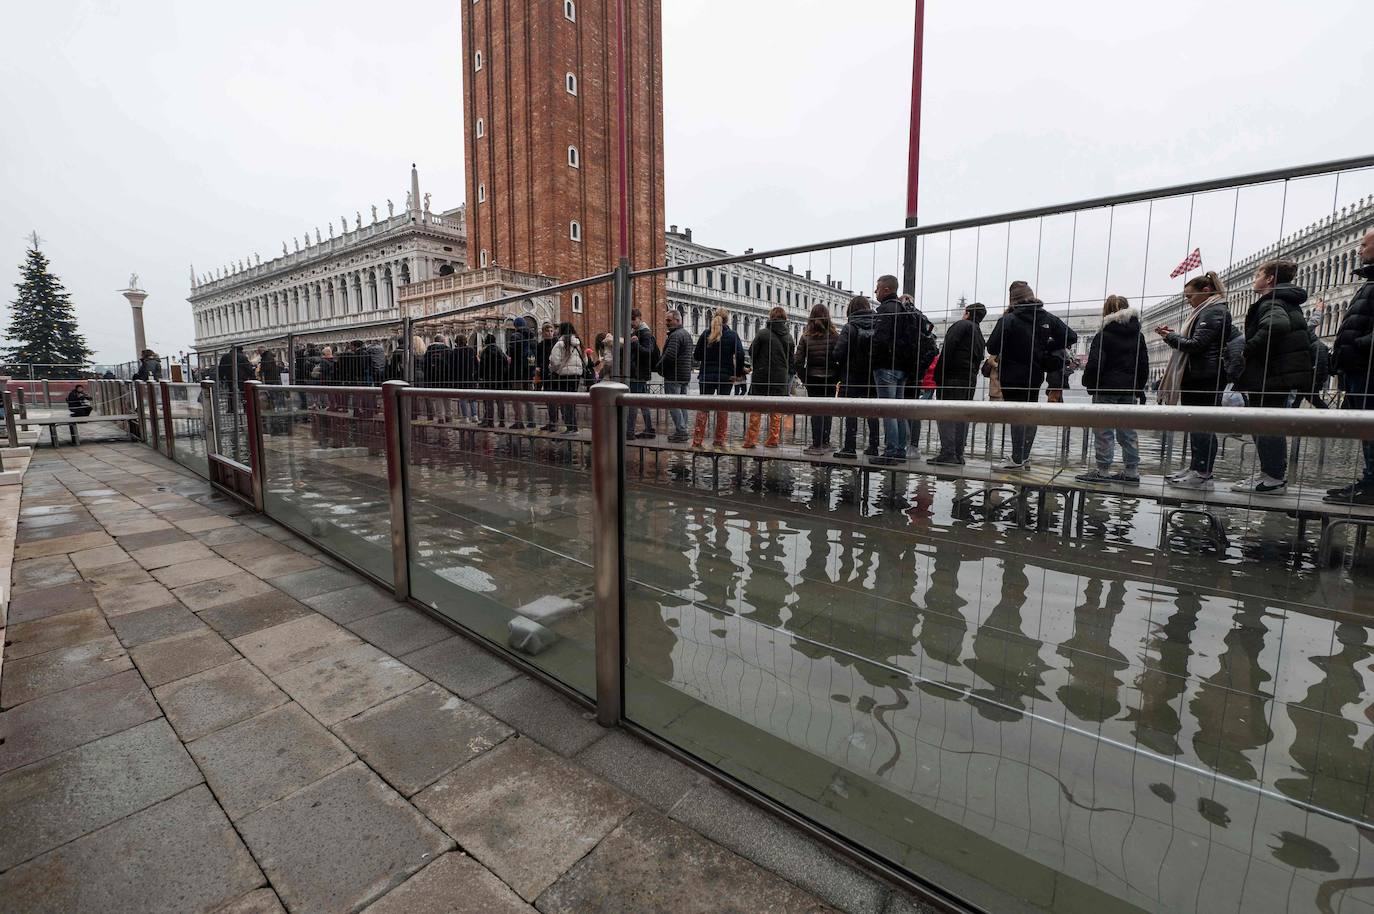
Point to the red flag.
(1191, 262)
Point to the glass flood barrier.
(1037, 692)
(188, 426)
(325, 472)
(500, 527)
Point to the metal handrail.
(1178, 190)
(511, 299)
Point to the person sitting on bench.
(79, 402)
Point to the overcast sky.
(152, 135)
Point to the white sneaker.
(1175, 477)
(1262, 485)
(1245, 485)
(1194, 480)
(1012, 466)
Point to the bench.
(52, 422)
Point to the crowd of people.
(887, 348)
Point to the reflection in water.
(1230, 705)
(1006, 659)
(1163, 679)
(1094, 687)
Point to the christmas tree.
(42, 331)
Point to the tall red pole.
(913, 162)
(622, 130)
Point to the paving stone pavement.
(202, 713)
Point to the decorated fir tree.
(43, 331)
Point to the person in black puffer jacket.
(1196, 373)
(1118, 367)
(854, 356)
(720, 354)
(814, 360)
(1353, 356)
(493, 373)
(771, 356)
(1025, 341)
(644, 356)
(675, 364)
(524, 358)
(956, 378)
(1278, 361)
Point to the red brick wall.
(532, 194)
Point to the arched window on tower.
(570, 81)
(477, 60)
(574, 157)
(482, 258)
(577, 303)
(575, 230)
(481, 127)
(569, 10)
(481, 193)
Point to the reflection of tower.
(540, 121)
(135, 297)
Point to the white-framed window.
(577, 303)
(477, 60)
(482, 258)
(575, 230)
(481, 127)
(574, 157)
(481, 193)
(569, 10)
(570, 81)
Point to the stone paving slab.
(233, 620)
(48, 571)
(201, 524)
(194, 572)
(524, 812)
(134, 629)
(64, 796)
(218, 592)
(289, 645)
(341, 842)
(216, 698)
(26, 639)
(453, 884)
(267, 757)
(31, 605)
(121, 575)
(539, 712)
(652, 865)
(146, 540)
(351, 603)
(188, 550)
(54, 671)
(305, 584)
(60, 544)
(401, 630)
(349, 682)
(461, 666)
(416, 738)
(129, 598)
(224, 536)
(258, 901)
(186, 858)
(99, 557)
(57, 722)
(182, 655)
(639, 769)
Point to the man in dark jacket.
(854, 355)
(643, 357)
(493, 373)
(675, 364)
(956, 378)
(1025, 341)
(437, 367)
(896, 340)
(521, 347)
(1353, 355)
(1278, 361)
(548, 336)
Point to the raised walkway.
(201, 712)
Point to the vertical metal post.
(255, 452)
(10, 430)
(621, 306)
(153, 437)
(913, 166)
(168, 429)
(47, 394)
(138, 410)
(608, 480)
(23, 405)
(209, 420)
(396, 426)
(407, 352)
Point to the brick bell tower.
(539, 112)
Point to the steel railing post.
(23, 406)
(10, 429)
(396, 429)
(208, 420)
(138, 410)
(154, 432)
(47, 394)
(256, 462)
(608, 481)
(407, 351)
(168, 429)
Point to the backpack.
(1321, 362)
(928, 346)
(1233, 355)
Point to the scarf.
(1171, 385)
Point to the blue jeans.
(1359, 394)
(1130, 444)
(639, 387)
(891, 383)
(679, 416)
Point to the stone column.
(135, 298)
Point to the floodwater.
(1033, 721)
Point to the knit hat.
(1020, 292)
(520, 323)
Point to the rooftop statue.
(390, 207)
(374, 214)
(133, 280)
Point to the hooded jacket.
(675, 363)
(771, 356)
(643, 353)
(1278, 345)
(493, 367)
(854, 351)
(1118, 358)
(523, 355)
(1024, 340)
(961, 356)
(721, 360)
(1353, 352)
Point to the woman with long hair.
(567, 364)
(1196, 373)
(1118, 367)
(721, 356)
(854, 361)
(814, 361)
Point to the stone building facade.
(539, 112)
(1326, 258)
